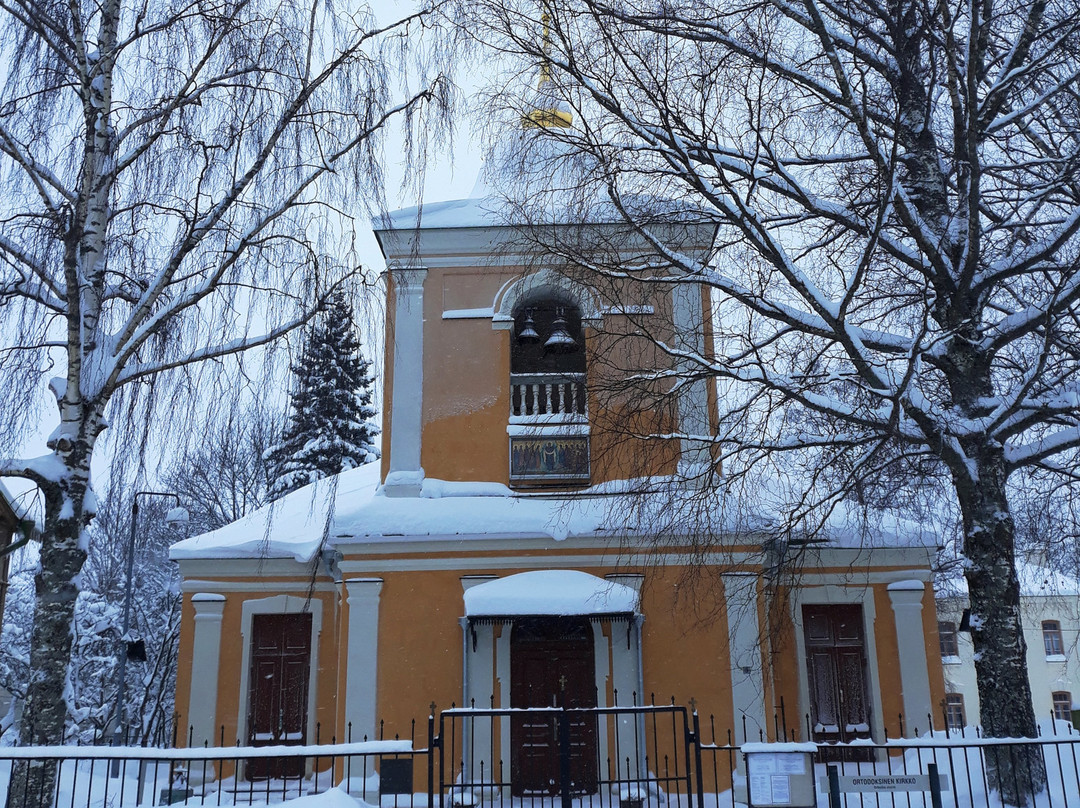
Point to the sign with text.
(776, 779)
(889, 783)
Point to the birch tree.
(178, 179)
(895, 186)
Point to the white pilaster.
(405, 475)
(906, 598)
(602, 658)
(205, 661)
(479, 687)
(363, 652)
(744, 642)
(693, 402)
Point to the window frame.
(1059, 697)
(1053, 643)
(948, 635)
(954, 707)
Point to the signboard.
(776, 779)
(888, 783)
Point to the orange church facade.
(495, 558)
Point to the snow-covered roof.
(468, 212)
(294, 526)
(534, 178)
(550, 592)
(27, 504)
(352, 509)
(1035, 581)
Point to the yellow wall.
(466, 368)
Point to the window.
(1063, 705)
(549, 441)
(950, 646)
(1052, 638)
(954, 711)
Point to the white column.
(502, 673)
(481, 758)
(602, 656)
(363, 652)
(689, 320)
(744, 643)
(906, 598)
(627, 677)
(205, 661)
(406, 476)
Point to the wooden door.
(278, 694)
(836, 673)
(552, 664)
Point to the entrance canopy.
(556, 593)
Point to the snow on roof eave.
(504, 618)
(1035, 581)
(550, 593)
(501, 535)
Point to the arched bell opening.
(547, 337)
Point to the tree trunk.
(33, 783)
(1016, 772)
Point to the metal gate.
(593, 757)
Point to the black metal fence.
(655, 756)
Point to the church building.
(522, 544)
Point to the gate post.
(935, 785)
(834, 786)
(431, 757)
(564, 758)
(696, 740)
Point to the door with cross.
(552, 664)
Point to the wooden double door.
(552, 664)
(278, 692)
(836, 673)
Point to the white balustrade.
(548, 397)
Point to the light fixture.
(560, 340)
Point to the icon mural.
(545, 458)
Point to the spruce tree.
(330, 428)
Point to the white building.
(1051, 613)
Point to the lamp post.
(176, 516)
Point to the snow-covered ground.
(92, 781)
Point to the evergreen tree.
(330, 428)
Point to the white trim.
(405, 475)
(612, 560)
(688, 318)
(277, 604)
(376, 554)
(835, 594)
(744, 649)
(468, 314)
(601, 673)
(626, 679)
(911, 646)
(205, 666)
(362, 656)
(502, 673)
(543, 281)
(300, 587)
